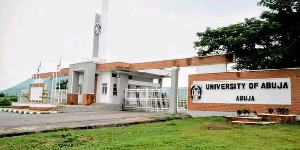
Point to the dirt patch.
(142, 119)
(213, 126)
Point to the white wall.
(211, 68)
(112, 98)
(103, 77)
(142, 78)
(36, 93)
(122, 84)
(80, 81)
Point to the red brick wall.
(72, 99)
(294, 74)
(63, 72)
(184, 62)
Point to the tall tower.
(100, 31)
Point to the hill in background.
(24, 86)
(182, 93)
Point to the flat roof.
(184, 62)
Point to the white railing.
(57, 97)
(150, 100)
(23, 96)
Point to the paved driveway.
(18, 123)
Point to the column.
(88, 95)
(174, 90)
(72, 97)
(160, 82)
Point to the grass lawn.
(192, 133)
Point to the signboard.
(251, 91)
(36, 93)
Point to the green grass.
(190, 133)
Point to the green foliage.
(13, 99)
(210, 133)
(2, 95)
(5, 102)
(271, 41)
(63, 84)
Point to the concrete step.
(242, 118)
(279, 118)
(91, 108)
(253, 123)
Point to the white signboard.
(250, 91)
(36, 93)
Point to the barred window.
(104, 88)
(115, 90)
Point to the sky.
(138, 30)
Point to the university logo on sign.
(196, 92)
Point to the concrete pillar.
(122, 85)
(88, 96)
(49, 84)
(88, 79)
(97, 29)
(160, 82)
(174, 90)
(73, 82)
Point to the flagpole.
(59, 80)
(56, 92)
(51, 91)
(34, 77)
(55, 83)
(39, 77)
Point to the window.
(104, 88)
(137, 94)
(114, 75)
(79, 89)
(130, 77)
(115, 90)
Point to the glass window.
(104, 88)
(114, 75)
(80, 89)
(115, 90)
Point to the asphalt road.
(19, 120)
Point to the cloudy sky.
(138, 30)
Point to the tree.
(2, 95)
(270, 41)
(5, 102)
(63, 84)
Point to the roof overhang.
(185, 62)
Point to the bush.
(2, 95)
(5, 102)
(243, 111)
(282, 111)
(13, 99)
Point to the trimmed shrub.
(5, 102)
(13, 99)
